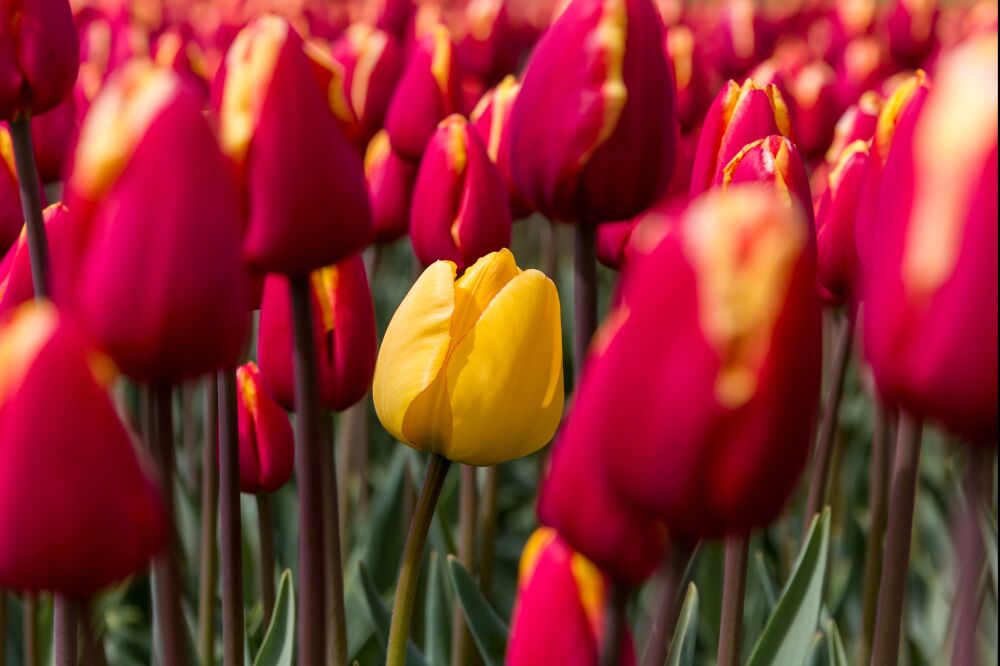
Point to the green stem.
(667, 604)
(31, 203)
(733, 591)
(336, 621)
(489, 530)
(265, 527)
(209, 553)
(230, 522)
(878, 482)
(461, 640)
(30, 629)
(65, 631)
(413, 552)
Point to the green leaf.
(765, 580)
(488, 630)
(836, 654)
(436, 612)
(278, 646)
(382, 618)
(790, 632)
(686, 632)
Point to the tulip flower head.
(10, 198)
(390, 185)
(373, 62)
(491, 119)
(774, 160)
(15, 269)
(462, 355)
(267, 446)
(95, 517)
(835, 219)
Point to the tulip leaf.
(790, 632)
(686, 631)
(488, 630)
(836, 654)
(278, 646)
(382, 618)
(436, 613)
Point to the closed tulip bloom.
(460, 210)
(160, 282)
(911, 28)
(723, 367)
(856, 124)
(930, 325)
(491, 46)
(95, 518)
(776, 161)
(267, 446)
(741, 37)
(307, 204)
(739, 115)
(814, 105)
(51, 135)
(559, 612)
(15, 269)
(39, 56)
(343, 331)
(692, 77)
(835, 219)
(180, 51)
(11, 219)
(373, 62)
(460, 354)
(864, 64)
(491, 119)
(390, 185)
(426, 94)
(592, 130)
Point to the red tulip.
(814, 105)
(856, 124)
(267, 445)
(11, 219)
(77, 513)
(373, 62)
(460, 210)
(835, 219)
(180, 52)
(160, 283)
(51, 134)
(592, 130)
(390, 185)
(738, 116)
(930, 325)
(343, 329)
(15, 270)
(864, 63)
(491, 119)
(39, 56)
(306, 196)
(559, 612)
(692, 76)
(741, 38)
(491, 46)
(427, 93)
(911, 29)
(776, 161)
(701, 395)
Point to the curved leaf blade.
(686, 633)
(488, 630)
(278, 646)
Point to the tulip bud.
(11, 220)
(776, 161)
(343, 331)
(160, 283)
(490, 48)
(491, 120)
(814, 105)
(267, 446)
(741, 38)
(306, 195)
(910, 27)
(739, 115)
(592, 130)
(930, 325)
(16, 286)
(460, 354)
(426, 94)
(722, 369)
(561, 602)
(390, 185)
(39, 56)
(864, 64)
(460, 210)
(691, 76)
(373, 62)
(835, 218)
(180, 52)
(856, 124)
(94, 518)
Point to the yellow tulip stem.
(584, 293)
(413, 552)
(31, 203)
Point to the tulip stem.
(230, 522)
(897, 542)
(666, 604)
(309, 473)
(93, 643)
(3, 627)
(733, 591)
(461, 640)
(170, 622)
(209, 553)
(265, 527)
(489, 530)
(971, 554)
(614, 624)
(413, 552)
(878, 481)
(64, 631)
(584, 293)
(30, 629)
(828, 426)
(31, 203)
(333, 535)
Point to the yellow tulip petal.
(505, 377)
(477, 287)
(414, 348)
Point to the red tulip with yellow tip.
(267, 445)
(390, 186)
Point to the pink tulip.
(267, 445)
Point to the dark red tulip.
(11, 217)
(814, 106)
(373, 62)
(307, 203)
(15, 269)
(267, 445)
(160, 282)
(52, 133)
(930, 322)
(460, 210)
(592, 130)
(94, 518)
(741, 38)
(911, 28)
(491, 119)
(390, 185)
(835, 220)
(343, 328)
(773, 160)
(856, 124)
(692, 76)
(491, 46)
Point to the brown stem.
(670, 578)
(64, 631)
(230, 522)
(488, 519)
(265, 527)
(335, 621)
(584, 293)
(93, 644)
(30, 629)
(208, 554)
(971, 554)
(550, 249)
(461, 640)
(878, 482)
(3, 627)
(733, 591)
(189, 430)
(896, 563)
(31, 203)
(828, 426)
(614, 625)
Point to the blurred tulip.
(51, 134)
(306, 195)
(776, 161)
(592, 129)
(856, 124)
(722, 368)
(835, 219)
(15, 269)
(180, 52)
(460, 210)
(11, 217)
(561, 602)
(490, 48)
(390, 185)
(741, 38)
(739, 115)
(460, 354)
(864, 63)
(911, 30)
(39, 56)
(394, 16)
(692, 77)
(94, 518)
(612, 238)
(373, 62)
(331, 75)
(343, 330)
(814, 106)
(930, 324)
(160, 283)
(491, 119)
(426, 94)
(267, 445)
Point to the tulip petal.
(477, 287)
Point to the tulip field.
(498, 332)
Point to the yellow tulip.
(471, 369)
